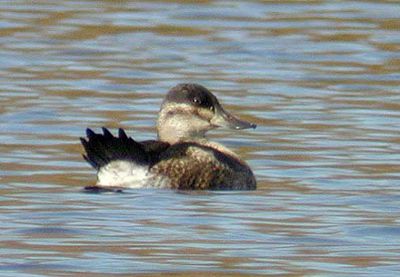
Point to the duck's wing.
(193, 166)
(154, 149)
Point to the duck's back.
(192, 165)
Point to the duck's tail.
(120, 161)
(102, 149)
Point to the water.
(320, 78)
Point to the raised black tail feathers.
(101, 149)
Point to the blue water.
(321, 80)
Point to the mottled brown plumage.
(191, 165)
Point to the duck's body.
(182, 158)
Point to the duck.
(182, 157)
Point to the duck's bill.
(224, 119)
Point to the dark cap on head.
(192, 94)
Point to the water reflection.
(320, 78)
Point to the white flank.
(126, 174)
(122, 174)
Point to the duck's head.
(189, 111)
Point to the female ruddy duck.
(182, 157)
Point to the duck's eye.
(211, 108)
(196, 100)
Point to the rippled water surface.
(320, 78)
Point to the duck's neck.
(174, 136)
(174, 131)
